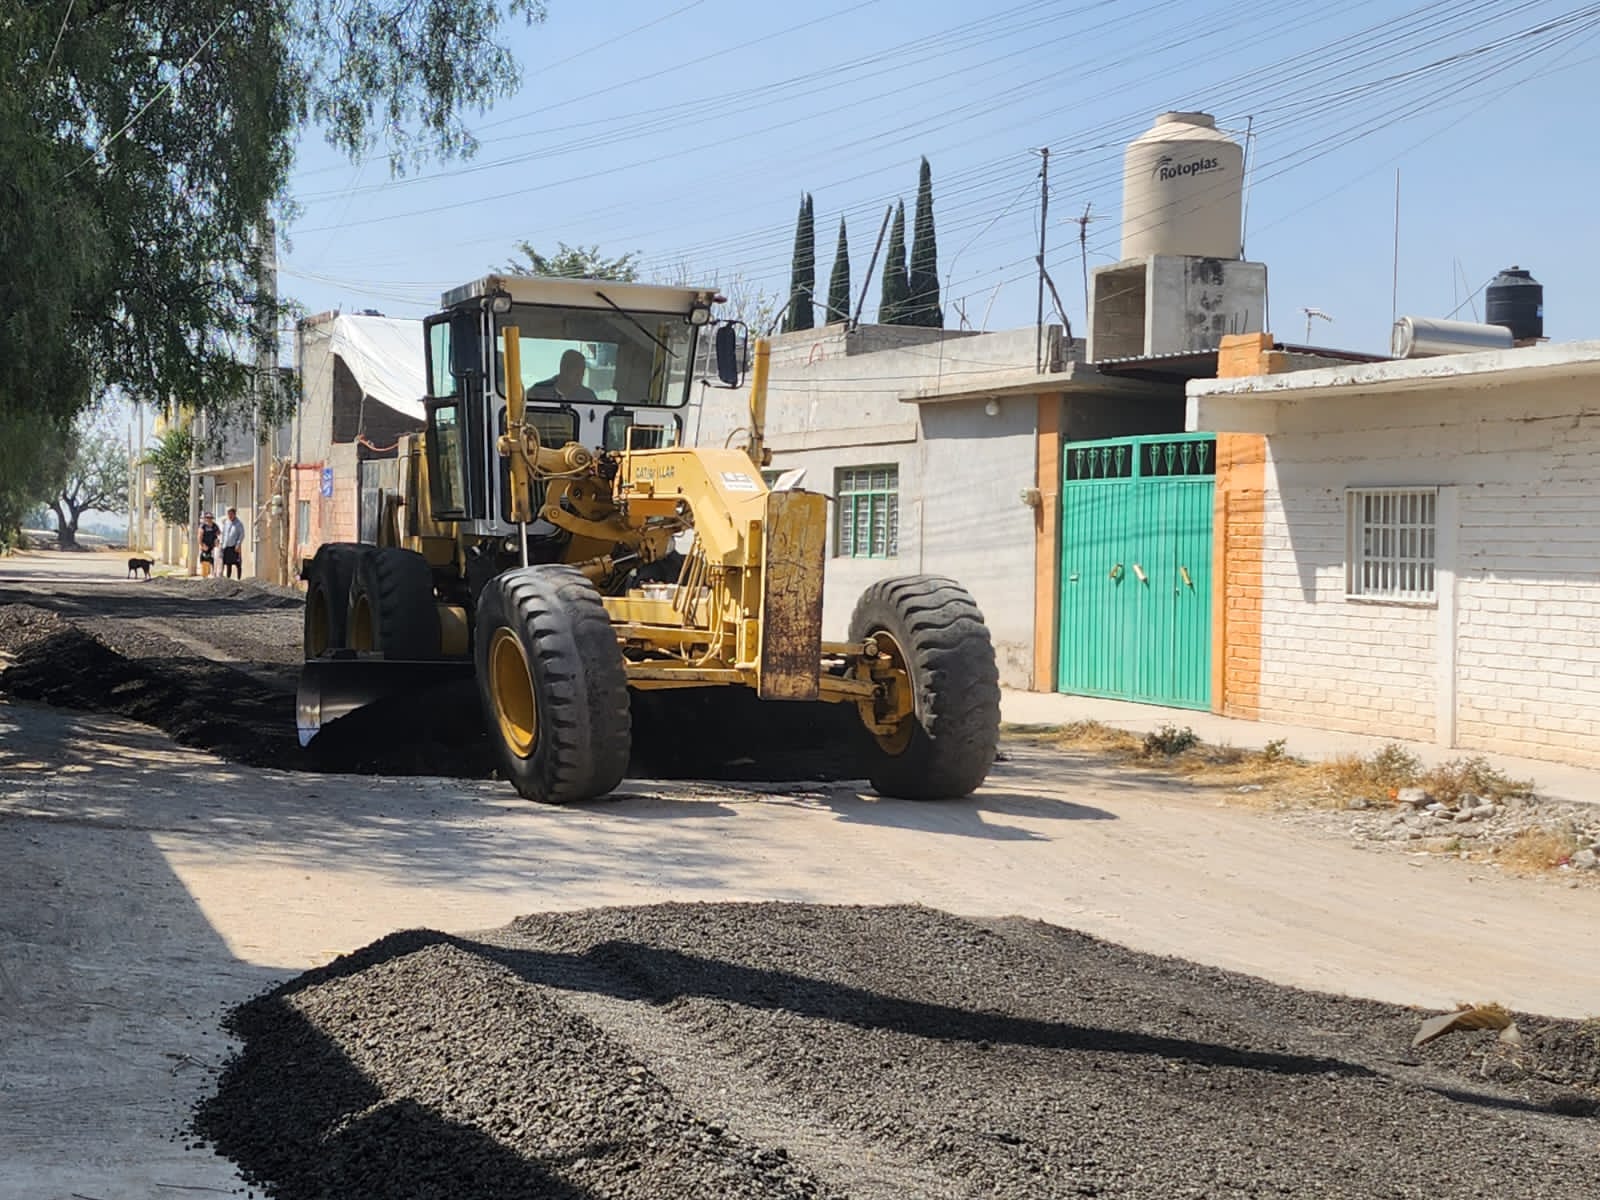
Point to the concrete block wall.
(1326, 661)
(1508, 659)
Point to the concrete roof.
(1459, 372)
(1015, 381)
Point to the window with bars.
(869, 512)
(1391, 540)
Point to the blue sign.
(327, 482)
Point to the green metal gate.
(1136, 569)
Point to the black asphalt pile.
(21, 624)
(1003, 1059)
(232, 713)
(110, 660)
(420, 1068)
(197, 703)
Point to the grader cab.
(554, 539)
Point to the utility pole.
(855, 321)
(1044, 224)
(1394, 286)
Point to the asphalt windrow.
(795, 1050)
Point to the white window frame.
(1392, 545)
(852, 487)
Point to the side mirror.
(730, 353)
(466, 358)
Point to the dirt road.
(150, 888)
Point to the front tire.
(392, 605)
(328, 581)
(553, 684)
(931, 628)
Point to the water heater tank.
(1516, 300)
(1182, 189)
(1426, 337)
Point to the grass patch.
(1541, 849)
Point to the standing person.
(233, 546)
(209, 535)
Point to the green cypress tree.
(896, 284)
(839, 282)
(803, 274)
(923, 306)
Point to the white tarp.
(385, 356)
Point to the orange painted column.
(1239, 540)
(1238, 546)
(1047, 541)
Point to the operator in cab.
(567, 384)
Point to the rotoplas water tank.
(1516, 300)
(1182, 189)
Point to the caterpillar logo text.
(1168, 167)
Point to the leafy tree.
(169, 458)
(896, 282)
(30, 459)
(922, 307)
(803, 272)
(839, 281)
(574, 262)
(91, 473)
(143, 147)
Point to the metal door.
(1136, 569)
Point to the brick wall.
(1509, 658)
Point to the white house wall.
(1509, 659)
(961, 472)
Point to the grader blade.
(333, 687)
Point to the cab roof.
(584, 293)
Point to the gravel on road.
(734, 1049)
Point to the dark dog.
(135, 565)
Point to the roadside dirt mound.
(197, 703)
(24, 623)
(787, 1050)
(247, 716)
(235, 715)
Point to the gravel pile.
(1004, 1059)
(21, 624)
(120, 653)
(418, 1068)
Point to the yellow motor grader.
(552, 537)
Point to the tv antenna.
(1083, 251)
(1316, 313)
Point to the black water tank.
(1516, 300)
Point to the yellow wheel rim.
(361, 624)
(316, 622)
(511, 686)
(900, 708)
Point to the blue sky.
(687, 131)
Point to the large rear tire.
(944, 746)
(328, 581)
(392, 606)
(553, 685)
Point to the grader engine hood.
(774, 542)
